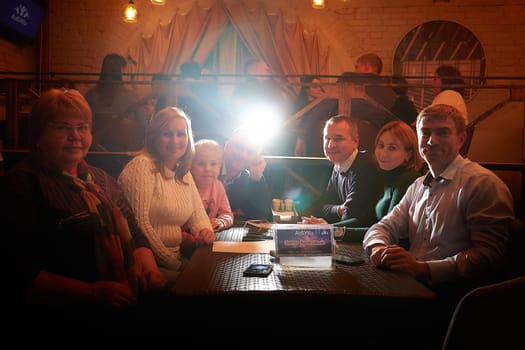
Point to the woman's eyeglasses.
(66, 129)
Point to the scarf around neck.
(114, 243)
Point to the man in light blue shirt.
(456, 218)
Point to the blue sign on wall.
(22, 16)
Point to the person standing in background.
(310, 90)
(198, 95)
(403, 107)
(114, 105)
(205, 169)
(445, 77)
(162, 193)
(309, 141)
(163, 91)
(110, 95)
(376, 107)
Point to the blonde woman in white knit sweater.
(162, 192)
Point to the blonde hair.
(208, 145)
(154, 131)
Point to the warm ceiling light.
(318, 4)
(130, 12)
(158, 2)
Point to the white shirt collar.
(346, 164)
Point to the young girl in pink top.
(205, 169)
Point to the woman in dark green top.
(396, 154)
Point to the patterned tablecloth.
(211, 272)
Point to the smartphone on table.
(258, 270)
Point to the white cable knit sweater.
(162, 206)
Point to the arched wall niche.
(432, 44)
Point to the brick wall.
(82, 32)
(15, 58)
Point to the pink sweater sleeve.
(222, 209)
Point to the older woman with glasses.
(73, 237)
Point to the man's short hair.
(343, 118)
(373, 60)
(443, 111)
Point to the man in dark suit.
(355, 185)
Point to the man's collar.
(346, 164)
(428, 179)
(452, 168)
(448, 173)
